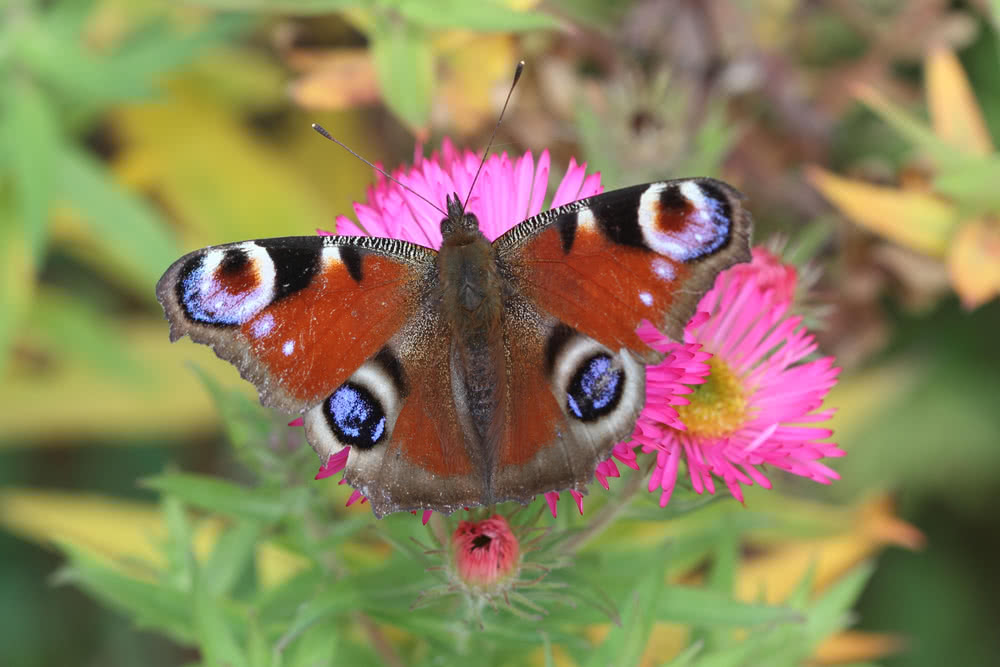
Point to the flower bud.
(485, 554)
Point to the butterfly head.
(459, 227)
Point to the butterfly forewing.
(605, 263)
(296, 315)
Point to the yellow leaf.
(916, 219)
(337, 79)
(98, 406)
(115, 529)
(477, 76)
(125, 533)
(954, 111)
(17, 281)
(862, 397)
(223, 182)
(974, 262)
(781, 569)
(855, 646)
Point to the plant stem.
(379, 641)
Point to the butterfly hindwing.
(296, 315)
(397, 412)
(571, 399)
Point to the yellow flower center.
(717, 407)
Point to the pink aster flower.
(759, 402)
(509, 190)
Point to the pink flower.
(485, 555)
(769, 272)
(508, 191)
(759, 402)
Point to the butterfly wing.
(586, 274)
(347, 330)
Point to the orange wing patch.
(601, 288)
(312, 340)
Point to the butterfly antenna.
(486, 153)
(319, 128)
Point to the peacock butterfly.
(479, 373)
(475, 374)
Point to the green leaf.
(177, 547)
(55, 53)
(483, 16)
(74, 329)
(150, 604)
(279, 603)
(31, 136)
(216, 638)
(829, 613)
(231, 558)
(404, 63)
(722, 576)
(158, 47)
(247, 423)
(972, 183)
(217, 495)
(342, 597)
(698, 606)
(625, 644)
(918, 133)
(58, 61)
(130, 231)
(318, 646)
(687, 657)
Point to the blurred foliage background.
(134, 130)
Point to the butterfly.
(478, 373)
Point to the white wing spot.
(646, 298)
(262, 325)
(664, 269)
(585, 219)
(331, 255)
(288, 348)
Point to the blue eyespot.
(355, 416)
(595, 388)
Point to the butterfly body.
(479, 373)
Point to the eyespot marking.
(684, 221)
(595, 388)
(227, 286)
(355, 416)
